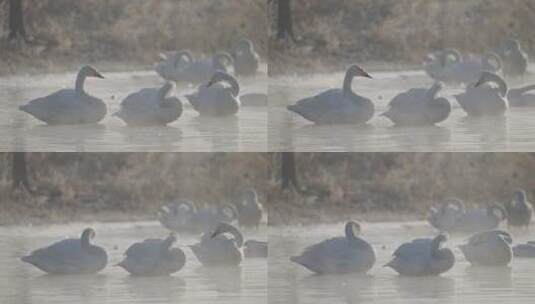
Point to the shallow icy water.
(289, 131)
(291, 283)
(22, 283)
(19, 131)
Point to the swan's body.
(338, 255)
(150, 107)
(216, 98)
(526, 250)
(337, 106)
(255, 249)
(478, 220)
(482, 99)
(520, 97)
(519, 210)
(200, 71)
(153, 257)
(69, 106)
(418, 107)
(446, 216)
(488, 248)
(179, 216)
(245, 59)
(422, 257)
(218, 249)
(70, 256)
(515, 60)
(249, 209)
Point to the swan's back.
(145, 108)
(216, 100)
(488, 248)
(481, 101)
(334, 107)
(217, 251)
(66, 107)
(416, 107)
(246, 64)
(146, 258)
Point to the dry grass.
(111, 186)
(397, 185)
(334, 33)
(129, 32)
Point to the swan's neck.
(502, 85)
(164, 92)
(348, 80)
(85, 242)
(234, 85)
(433, 91)
(80, 80)
(435, 247)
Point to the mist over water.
(292, 283)
(22, 283)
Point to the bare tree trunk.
(16, 20)
(284, 20)
(20, 172)
(288, 171)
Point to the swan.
(171, 67)
(178, 216)
(70, 256)
(207, 218)
(339, 255)
(422, 257)
(519, 210)
(249, 209)
(255, 249)
(153, 257)
(515, 60)
(477, 220)
(218, 249)
(445, 217)
(470, 68)
(215, 98)
(69, 106)
(489, 248)
(481, 99)
(439, 64)
(526, 250)
(245, 59)
(418, 107)
(150, 106)
(200, 71)
(519, 97)
(337, 106)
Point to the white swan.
(418, 107)
(438, 65)
(339, 255)
(151, 106)
(489, 248)
(216, 98)
(482, 99)
(477, 220)
(526, 250)
(153, 257)
(519, 210)
(208, 218)
(519, 97)
(249, 209)
(70, 256)
(69, 106)
(470, 68)
(245, 59)
(218, 249)
(446, 216)
(423, 257)
(515, 60)
(337, 106)
(171, 66)
(200, 71)
(179, 216)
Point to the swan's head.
(90, 71)
(520, 195)
(88, 234)
(352, 229)
(358, 71)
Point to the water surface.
(24, 284)
(292, 283)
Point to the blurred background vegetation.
(394, 186)
(123, 186)
(336, 32)
(122, 33)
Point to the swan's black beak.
(98, 75)
(365, 74)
